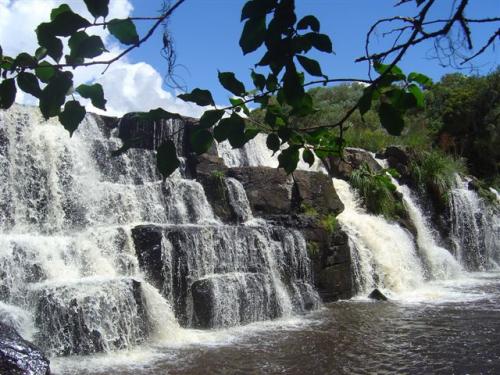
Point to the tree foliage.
(281, 41)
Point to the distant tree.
(285, 40)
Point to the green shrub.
(328, 223)
(377, 192)
(435, 172)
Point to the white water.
(384, 255)
(73, 278)
(475, 230)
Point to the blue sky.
(206, 34)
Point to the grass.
(435, 172)
(377, 192)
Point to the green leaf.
(166, 158)
(65, 23)
(84, 46)
(257, 8)
(420, 78)
(98, 8)
(25, 60)
(395, 71)
(53, 95)
(47, 40)
(311, 66)
(198, 96)
(417, 94)
(365, 102)
(273, 142)
(272, 82)
(292, 86)
(308, 21)
(231, 128)
(230, 83)
(321, 42)
(72, 116)
(41, 53)
(308, 157)
(29, 83)
(201, 140)
(259, 80)
(7, 93)
(57, 11)
(94, 93)
(124, 30)
(391, 119)
(289, 158)
(239, 105)
(209, 118)
(45, 71)
(253, 34)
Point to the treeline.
(461, 119)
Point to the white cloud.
(127, 87)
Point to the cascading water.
(384, 255)
(438, 262)
(80, 270)
(475, 228)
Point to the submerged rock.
(18, 356)
(377, 295)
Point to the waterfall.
(384, 255)
(438, 261)
(97, 253)
(475, 228)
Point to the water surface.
(450, 327)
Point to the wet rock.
(228, 300)
(20, 357)
(210, 171)
(377, 295)
(90, 316)
(352, 159)
(316, 190)
(269, 190)
(335, 282)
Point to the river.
(446, 327)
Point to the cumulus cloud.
(127, 86)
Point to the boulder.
(316, 190)
(335, 282)
(377, 295)
(20, 357)
(353, 158)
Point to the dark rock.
(210, 171)
(148, 248)
(269, 190)
(90, 316)
(377, 295)
(20, 357)
(352, 159)
(316, 190)
(227, 300)
(335, 282)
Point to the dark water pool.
(451, 328)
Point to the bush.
(377, 192)
(435, 172)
